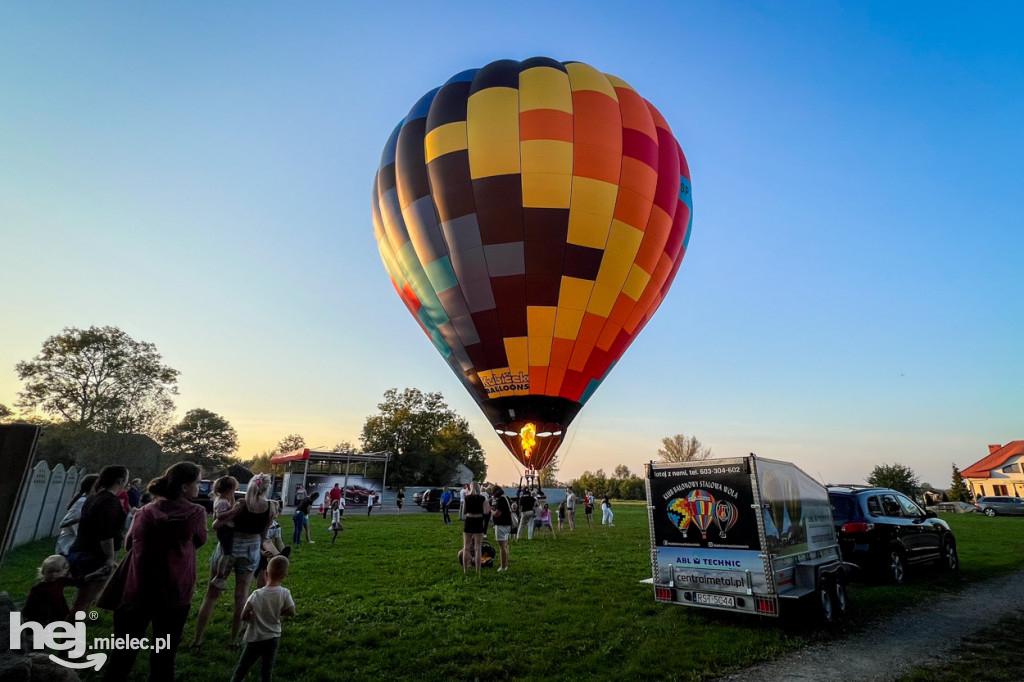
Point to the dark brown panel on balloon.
(509, 291)
(488, 325)
(499, 208)
(513, 322)
(542, 290)
(544, 258)
(582, 262)
(545, 225)
(451, 185)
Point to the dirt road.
(892, 647)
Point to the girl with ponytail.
(157, 578)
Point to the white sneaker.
(312, 542)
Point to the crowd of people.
(160, 529)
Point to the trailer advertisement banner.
(711, 570)
(706, 505)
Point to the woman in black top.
(254, 516)
(100, 534)
(473, 531)
(501, 512)
(301, 518)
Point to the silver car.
(1000, 506)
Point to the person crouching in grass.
(264, 611)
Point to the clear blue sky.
(199, 175)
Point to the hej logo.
(58, 636)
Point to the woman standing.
(93, 555)
(69, 524)
(301, 518)
(252, 521)
(607, 516)
(159, 571)
(502, 514)
(400, 500)
(473, 529)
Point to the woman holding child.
(252, 519)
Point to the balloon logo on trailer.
(532, 216)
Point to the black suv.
(883, 531)
(431, 500)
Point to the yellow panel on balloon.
(585, 77)
(574, 293)
(623, 244)
(546, 190)
(636, 282)
(567, 323)
(547, 156)
(590, 227)
(540, 321)
(544, 88)
(517, 350)
(540, 351)
(492, 126)
(445, 139)
(618, 82)
(602, 299)
(503, 382)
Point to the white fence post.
(32, 504)
(71, 480)
(51, 498)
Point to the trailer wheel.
(826, 610)
(839, 600)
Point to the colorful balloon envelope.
(532, 216)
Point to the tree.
(548, 477)
(5, 412)
(289, 443)
(680, 448)
(100, 378)
(343, 446)
(896, 476)
(202, 437)
(426, 438)
(622, 471)
(959, 491)
(260, 463)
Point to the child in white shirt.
(263, 611)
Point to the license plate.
(714, 599)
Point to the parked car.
(357, 494)
(883, 532)
(1000, 506)
(431, 499)
(417, 497)
(205, 497)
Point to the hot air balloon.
(702, 505)
(680, 514)
(532, 216)
(725, 516)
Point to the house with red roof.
(998, 474)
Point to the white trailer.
(743, 534)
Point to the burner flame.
(528, 439)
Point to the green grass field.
(389, 601)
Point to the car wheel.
(897, 570)
(826, 610)
(990, 512)
(950, 557)
(839, 601)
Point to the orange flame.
(527, 437)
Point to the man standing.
(570, 507)
(446, 499)
(527, 503)
(333, 496)
(462, 501)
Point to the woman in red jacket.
(158, 574)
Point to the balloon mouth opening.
(534, 444)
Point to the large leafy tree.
(202, 437)
(5, 412)
(428, 440)
(100, 378)
(549, 475)
(291, 442)
(682, 448)
(896, 476)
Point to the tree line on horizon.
(101, 390)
